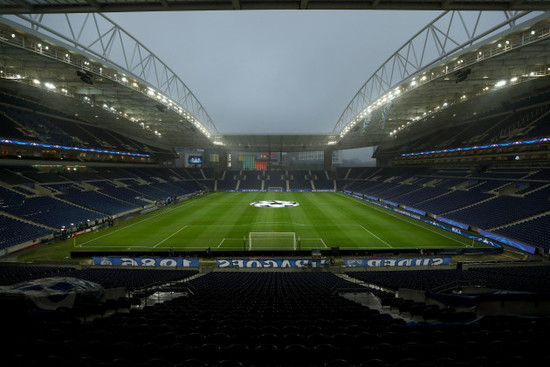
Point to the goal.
(271, 240)
(274, 189)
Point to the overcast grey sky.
(274, 72)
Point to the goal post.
(271, 240)
(274, 189)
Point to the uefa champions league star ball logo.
(274, 204)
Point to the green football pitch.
(228, 222)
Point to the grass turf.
(221, 221)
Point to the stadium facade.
(97, 132)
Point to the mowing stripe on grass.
(221, 220)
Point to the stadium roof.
(81, 6)
(118, 97)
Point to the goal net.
(274, 189)
(271, 240)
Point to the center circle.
(274, 204)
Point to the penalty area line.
(385, 243)
(172, 235)
(385, 211)
(228, 239)
(162, 212)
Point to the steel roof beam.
(53, 6)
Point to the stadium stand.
(249, 180)
(504, 278)
(14, 232)
(469, 313)
(322, 180)
(92, 199)
(227, 180)
(486, 199)
(276, 179)
(29, 121)
(37, 204)
(524, 118)
(267, 319)
(119, 192)
(516, 198)
(45, 210)
(534, 231)
(300, 180)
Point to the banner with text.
(402, 261)
(271, 263)
(171, 262)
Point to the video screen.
(195, 159)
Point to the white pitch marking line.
(228, 239)
(387, 244)
(387, 212)
(173, 234)
(133, 224)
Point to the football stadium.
(134, 233)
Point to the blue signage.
(417, 211)
(401, 261)
(55, 146)
(520, 142)
(456, 229)
(509, 242)
(170, 262)
(271, 263)
(452, 222)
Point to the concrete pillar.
(222, 164)
(328, 160)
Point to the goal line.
(272, 240)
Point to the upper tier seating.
(29, 121)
